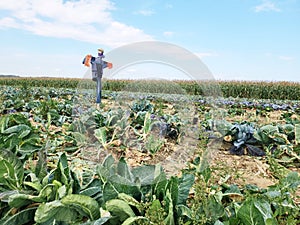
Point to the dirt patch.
(250, 115)
(172, 157)
(242, 170)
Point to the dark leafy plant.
(221, 203)
(142, 105)
(18, 135)
(56, 197)
(243, 140)
(241, 135)
(134, 186)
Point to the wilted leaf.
(101, 135)
(132, 220)
(11, 170)
(19, 200)
(85, 205)
(297, 134)
(23, 217)
(47, 211)
(120, 209)
(123, 169)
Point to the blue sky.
(236, 39)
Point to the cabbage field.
(152, 153)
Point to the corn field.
(236, 89)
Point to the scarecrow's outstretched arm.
(109, 65)
(87, 60)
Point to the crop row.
(44, 178)
(236, 89)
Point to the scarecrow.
(97, 69)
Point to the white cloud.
(145, 12)
(84, 20)
(267, 6)
(8, 22)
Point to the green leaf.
(147, 123)
(159, 186)
(41, 167)
(85, 205)
(185, 184)
(172, 187)
(170, 217)
(118, 184)
(277, 169)
(218, 222)
(47, 211)
(155, 205)
(108, 162)
(101, 135)
(19, 200)
(297, 134)
(261, 137)
(3, 123)
(62, 172)
(92, 187)
(291, 181)
(265, 133)
(184, 211)
(106, 168)
(269, 129)
(90, 191)
(34, 185)
(76, 186)
(222, 126)
(4, 195)
(272, 195)
(103, 172)
(99, 221)
(79, 137)
(214, 209)
(123, 169)
(120, 209)
(24, 133)
(130, 201)
(11, 169)
(7, 175)
(62, 191)
(16, 129)
(287, 128)
(65, 216)
(132, 220)
(109, 192)
(49, 192)
(146, 174)
(23, 217)
(265, 210)
(255, 211)
(65, 176)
